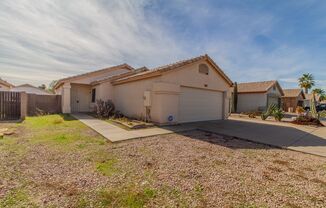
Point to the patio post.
(66, 98)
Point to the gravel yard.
(56, 161)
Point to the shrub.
(269, 111)
(104, 109)
(322, 114)
(299, 110)
(58, 120)
(278, 114)
(118, 114)
(307, 120)
(251, 115)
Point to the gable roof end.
(293, 93)
(258, 87)
(165, 68)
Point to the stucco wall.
(274, 91)
(190, 77)
(251, 101)
(248, 102)
(104, 91)
(128, 97)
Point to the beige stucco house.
(4, 85)
(29, 89)
(292, 98)
(257, 96)
(186, 91)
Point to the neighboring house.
(191, 90)
(4, 85)
(257, 96)
(308, 98)
(292, 98)
(30, 89)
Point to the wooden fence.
(10, 104)
(43, 104)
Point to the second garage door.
(199, 105)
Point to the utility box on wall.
(147, 98)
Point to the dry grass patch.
(56, 161)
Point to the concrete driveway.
(295, 137)
(300, 138)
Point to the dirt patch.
(190, 169)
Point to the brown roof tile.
(6, 83)
(249, 87)
(92, 72)
(168, 67)
(292, 92)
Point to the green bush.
(269, 111)
(278, 114)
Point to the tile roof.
(3, 82)
(168, 67)
(121, 75)
(249, 87)
(93, 72)
(292, 92)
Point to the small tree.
(51, 86)
(42, 86)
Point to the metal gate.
(9, 105)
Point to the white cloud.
(50, 39)
(47, 39)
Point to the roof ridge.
(91, 72)
(257, 82)
(178, 62)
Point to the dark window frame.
(93, 93)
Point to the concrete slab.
(310, 140)
(306, 139)
(116, 134)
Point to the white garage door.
(199, 105)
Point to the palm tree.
(306, 82)
(318, 91)
(322, 97)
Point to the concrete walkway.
(115, 133)
(306, 139)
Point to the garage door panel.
(199, 105)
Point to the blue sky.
(250, 40)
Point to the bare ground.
(69, 165)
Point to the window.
(203, 69)
(274, 87)
(93, 95)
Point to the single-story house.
(5, 86)
(292, 98)
(257, 96)
(309, 97)
(186, 91)
(30, 89)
